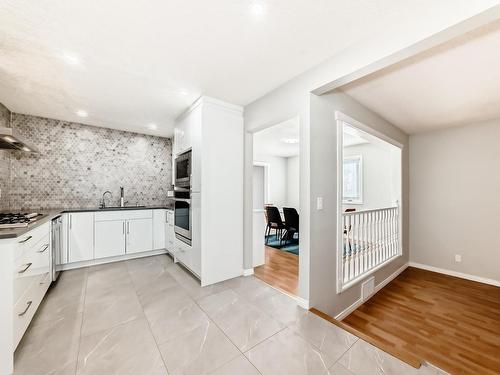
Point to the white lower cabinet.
(81, 236)
(109, 238)
(25, 265)
(159, 219)
(170, 232)
(139, 235)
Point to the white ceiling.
(271, 141)
(132, 63)
(454, 84)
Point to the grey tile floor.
(151, 317)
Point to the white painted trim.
(392, 277)
(248, 272)
(349, 310)
(267, 195)
(95, 262)
(304, 303)
(456, 274)
(209, 100)
(340, 192)
(378, 287)
(342, 117)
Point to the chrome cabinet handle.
(123, 227)
(44, 248)
(128, 227)
(70, 221)
(28, 265)
(26, 309)
(26, 239)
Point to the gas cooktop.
(18, 220)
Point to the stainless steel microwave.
(183, 170)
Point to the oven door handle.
(181, 200)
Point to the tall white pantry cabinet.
(213, 130)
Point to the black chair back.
(291, 219)
(273, 216)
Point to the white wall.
(293, 99)
(381, 171)
(277, 179)
(259, 189)
(455, 204)
(323, 294)
(283, 183)
(293, 180)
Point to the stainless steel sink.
(114, 208)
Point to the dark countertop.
(54, 213)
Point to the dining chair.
(291, 223)
(275, 222)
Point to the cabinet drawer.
(182, 252)
(28, 268)
(26, 307)
(30, 239)
(123, 215)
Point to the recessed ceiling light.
(82, 113)
(290, 141)
(70, 59)
(183, 93)
(258, 8)
(152, 126)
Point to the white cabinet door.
(139, 235)
(159, 219)
(169, 232)
(109, 238)
(81, 236)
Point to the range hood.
(10, 140)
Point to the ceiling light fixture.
(70, 59)
(258, 8)
(290, 141)
(183, 93)
(82, 113)
(152, 126)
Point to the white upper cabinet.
(81, 236)
(109, 238)
(139, 235)
(159, 220)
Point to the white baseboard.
(304, 303)
(248, 272)
(95, 262)
(456, 274)
(392, 277)
(378, 287)
(350, 309)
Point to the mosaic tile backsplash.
(78, 163)
(4, 163)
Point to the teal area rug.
(291, 247)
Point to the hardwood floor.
(281, 270)
(450, 322)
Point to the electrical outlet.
(458, 258)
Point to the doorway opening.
(276, 213)
(369, 215)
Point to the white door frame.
(267, 197)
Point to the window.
(353, 180)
